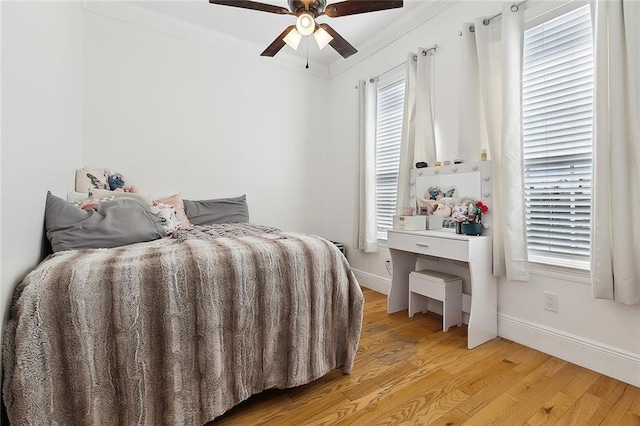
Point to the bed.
(177, 330)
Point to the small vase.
(472, 228)
(458, 227)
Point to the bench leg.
(417, 303)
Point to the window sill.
(568, 270)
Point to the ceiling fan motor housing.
(316, 7)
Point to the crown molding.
(150, 19)
(138, 15)
(391, 33)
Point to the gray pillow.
(110, 224)
(221, 210)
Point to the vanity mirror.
(437, 190)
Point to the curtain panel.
(470, 111)
(367, 219)
(498, 55)
(615, 234)
(418, 132)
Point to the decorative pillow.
(436, 193)
(167, 215)
(87, 179)
(176, 201)
(221, 210)
(426, 207)
(442, 210)
(77, 197)
(92, 202)
(102, 193)
(111, 224)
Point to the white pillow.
(76, 197)
(88, 179)
(102, 193)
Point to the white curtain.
(470, 113)
(615, 231)
(418, 132)
(499, 54)
(367, 220)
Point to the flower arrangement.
(478, 209)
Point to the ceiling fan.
(307, 11)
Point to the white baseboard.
(373, 282)
(613, 362)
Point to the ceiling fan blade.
(277, 44)
(353, 7)
(341, 45)
(253, 5)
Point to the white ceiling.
(259, 29)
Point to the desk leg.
(403, 264)
(483, 318)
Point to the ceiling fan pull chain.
(307, 67)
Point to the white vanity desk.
(406, 247)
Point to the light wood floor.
(408, 371)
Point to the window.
(388, 136)
(557, 137)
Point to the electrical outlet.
(550, 302)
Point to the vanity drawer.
(432, 246)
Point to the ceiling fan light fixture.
(322, 37)
(293, 39)
(305, 24)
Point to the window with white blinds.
(388, 136)
(557, 136)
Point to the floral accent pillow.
(167, 214)
(177, 203)
(87, 179)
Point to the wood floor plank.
(493, 410)
(482, 398)
(342, 411)
(630, 419)
(552, 410)
(432, 412)
(581, 411)
(532, 381)
(430, 404)
(615, 406)
(454, 417)
(393, 375)
(407, 371)
(581, 383)
(635, 405)
(603, 387)
(541, 393)
(402, 391)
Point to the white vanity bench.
(475, 252)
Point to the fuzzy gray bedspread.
(176, 333)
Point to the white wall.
(42, 75)
(176, 115)
(601, 335)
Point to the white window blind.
(557, 135)
(388, 136)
